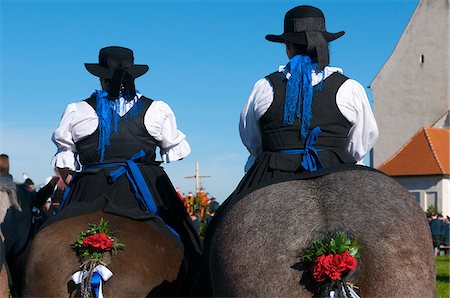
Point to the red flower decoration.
(333, 266)
(99, 242)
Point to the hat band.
(111, 64)
(310, 23)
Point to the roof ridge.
(393, 156)
(440, 117)
(436, 157)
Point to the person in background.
(4, 166)
(196, 221)
(189, 202)
(203, 201)
(29, 184)
(446, 241)
(437, 232)
(180, 195)
(212, 208)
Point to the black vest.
(132, 136)
(325, 114)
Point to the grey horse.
(257, 241)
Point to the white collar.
(316, 77)
(125, 105)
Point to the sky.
(204, 58)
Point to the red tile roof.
(426, 153)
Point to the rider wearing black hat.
(307, 115)
(302, 118)
(112, 137)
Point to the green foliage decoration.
(90, 252)
(331, 244)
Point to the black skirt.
(262, 174)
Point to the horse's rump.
(150, 261)
(256, 242)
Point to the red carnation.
(333, 266)
(100, 242)
(347, 261)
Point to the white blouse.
(80, 120)
(351, 100)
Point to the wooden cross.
(196, 176)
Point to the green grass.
(442, 276)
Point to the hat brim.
(97, 70)
(300, 37)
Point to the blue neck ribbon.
(108, 117)
(299, 92)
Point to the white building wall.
(412, 90)
(446, 197)
(426, 188)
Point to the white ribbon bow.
(104, 272)
(353, 294)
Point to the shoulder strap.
(144, 98)
(337, 79)
(277, 80)
(91, 101)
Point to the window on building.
(416, 195)
(432, 199)
(422, 59)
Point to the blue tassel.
(299, 92)
(109, 117)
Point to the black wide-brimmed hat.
(305, 25)
(112, 58)
(117, 64)
(302, 19)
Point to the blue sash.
(311, 161)
(134, 175)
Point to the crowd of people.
(200, 208)
(46, 198)
(440, 231)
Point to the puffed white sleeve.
(65, 156)
(257, 104)
(161, 123)
(353, 103)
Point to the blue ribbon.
(95, 283)
(311, 161)
(134, 175)
(136, 179)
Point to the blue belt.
(134, 175)
(311, 161)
